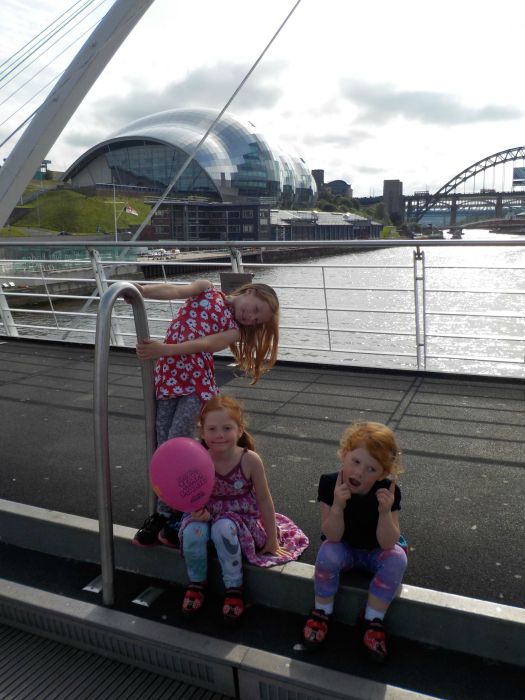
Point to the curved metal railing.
(100, 413)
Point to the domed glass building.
(235, 163)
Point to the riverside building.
(192, 220)
(238, 185)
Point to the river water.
(473, 309)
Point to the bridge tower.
(453, 209)
(499, 207)
(393, 200)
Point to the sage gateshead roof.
(234, 163)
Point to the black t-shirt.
(360, 513)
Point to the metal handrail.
(427, 300)
(100, 409)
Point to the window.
(247, 228)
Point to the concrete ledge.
(448, 621)
(187, 656)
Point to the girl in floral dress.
(239, 517)
(246, 321)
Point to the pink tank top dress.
(204, 314)
(233, 497)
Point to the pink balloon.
(182, 474)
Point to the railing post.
(100, 412)
(50, 300)
(102, 285)
(419, 307)
(7, 318)
(327, 312)
(236, 258)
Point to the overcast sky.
(367, 91)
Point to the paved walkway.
(463, 440)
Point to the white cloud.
(382, 103)
(363, 91)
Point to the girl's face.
(250, 310)
(220, 431)
(361, 470)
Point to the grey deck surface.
(34, 668)
(463, 440)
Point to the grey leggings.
(175, 418)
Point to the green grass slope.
(77, 213)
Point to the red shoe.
(233, 606)
(374, 638)
(193, 598)
(315, 629)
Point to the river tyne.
(371, 300)
(473, 309)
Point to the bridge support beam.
(453, 209)
(499, 207)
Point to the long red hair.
(256, 350)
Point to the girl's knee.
(195, 533)
(394, 559)
(223, 529)
(331, 556)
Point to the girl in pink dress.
(239, 517)
(246, 321)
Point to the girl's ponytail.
(246, 440)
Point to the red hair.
(235, 410)
(378, 439)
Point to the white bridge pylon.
(57, 109)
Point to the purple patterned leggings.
(387, 565)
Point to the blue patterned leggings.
(175, 418)
(387, 565)
(195, 538)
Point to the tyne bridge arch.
(483, 190)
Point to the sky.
(366, 91)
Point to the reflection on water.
(371, 310)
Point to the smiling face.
(251, 310)
(360, 470)
(220, 431)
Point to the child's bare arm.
(388, 529)
(254, 469)
(332, 522)
(152, 349)
(167, 292)
(332, 517)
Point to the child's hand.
(342, 492)
(202, 515)
(126, 296)
(276, 550)
(385, 497)
(150, 349)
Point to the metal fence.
(408, 310)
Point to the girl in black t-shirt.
(360, 525)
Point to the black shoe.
(169, 535)
(374, 638)
(148, 534)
